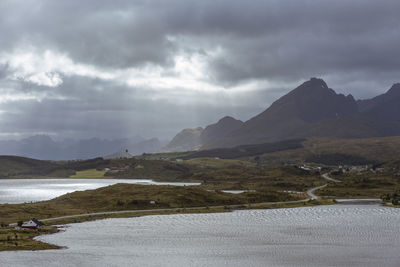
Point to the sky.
(112, 69)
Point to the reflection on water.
(341, 235)
(26, 190)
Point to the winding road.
(312, 190)
(325, 176)
(158, 210)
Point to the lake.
(31, 190)
(340, 235)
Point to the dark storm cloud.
(262, 39)
(352, 44)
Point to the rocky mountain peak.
(313, 101)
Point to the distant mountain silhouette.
(315, 110)
(185, 140)
(194, 139)
(44, 147)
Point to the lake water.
(26, 190)
(341, 235)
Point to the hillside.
(21, 167)
(336, 151)
(392, 93)
(14, 166)
(186, 140)
(218, 130)
(343, 151)
(194, 139)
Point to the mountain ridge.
(314, 110)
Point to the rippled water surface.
(26, 190)
(342, 235)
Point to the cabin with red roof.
(33, 224)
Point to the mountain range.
(310, 110)
(44, 147)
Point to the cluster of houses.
(309, 168)
(346, 168)
(116, 168)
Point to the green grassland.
(283, 178)
(365, 185)
(90, 173)
(150, 169)
(220, 174)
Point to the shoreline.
(56, 223)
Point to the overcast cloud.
(119, 68)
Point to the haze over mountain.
(194, 139)
(44, 147)
(313, 110)
(187, 139)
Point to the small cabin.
(32, 224)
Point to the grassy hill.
(11, 166)
(131, 197)
(346, 151)
(21, 167)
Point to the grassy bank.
(11, 239)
